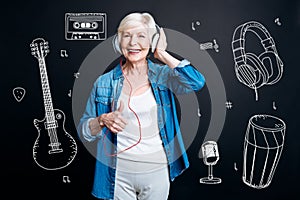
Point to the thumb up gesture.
(114, 121)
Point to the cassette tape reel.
(85, 25)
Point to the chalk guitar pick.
(19, 93)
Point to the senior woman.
(131, 112)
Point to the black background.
(22, 21)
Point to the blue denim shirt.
(165, 82)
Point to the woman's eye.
(142, 36)
(126, 35)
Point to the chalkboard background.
(24, 21)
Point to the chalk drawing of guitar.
(54, 148)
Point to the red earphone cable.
(135, 114)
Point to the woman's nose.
(133, 40)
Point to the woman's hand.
(114, 121)
(161, 53)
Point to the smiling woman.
(131, 113)
(134, 40)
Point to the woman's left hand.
(161, 53)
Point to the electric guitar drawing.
(54, 148)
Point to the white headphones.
(155, 38)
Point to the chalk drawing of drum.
(263, 145)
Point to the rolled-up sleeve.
(186, 78)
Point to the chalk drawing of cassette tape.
(85, 26)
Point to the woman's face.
(135, 43)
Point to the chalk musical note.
(70, 93)
(66, 179)
(277, 21)
(228, 104)
(235, 168)
(210, 45)
(199, 114)
(216, 46)
(63, 53)
(197, 23)
(274, 106)
(76, 75)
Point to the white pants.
(152, 185)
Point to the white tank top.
(149, 153)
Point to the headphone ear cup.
(272, 67)
(246, 75)
(116, 44)
(155, 39)
(154, 42)
(250, 72)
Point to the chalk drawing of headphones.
(251, 69)
(154, 41)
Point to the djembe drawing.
(263, 145)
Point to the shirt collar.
(118, 71)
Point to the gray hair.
(134, 19)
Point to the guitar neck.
(46, 91)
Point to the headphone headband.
(238, 40)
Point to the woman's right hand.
(114, 121)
